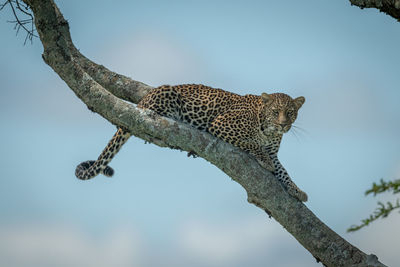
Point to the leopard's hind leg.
(89, 169)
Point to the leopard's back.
(195, 104)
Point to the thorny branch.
(383, 210)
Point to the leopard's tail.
(89, 169)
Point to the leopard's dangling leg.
(89, 169)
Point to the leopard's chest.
(271, 141)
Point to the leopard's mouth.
(277, 128)
(287, 128)
(282, 129)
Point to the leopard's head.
(280, 111)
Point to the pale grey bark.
(390, 7)
(102, 91)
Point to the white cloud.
(245, 242)
(253, 242)
(153, 58)
(61, 245)
(220, 244)
(342, 105)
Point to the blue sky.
(187, 212)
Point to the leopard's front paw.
(297, 193)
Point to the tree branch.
(119, 85)
(390, 7)
(101, 90)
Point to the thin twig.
(20, 23)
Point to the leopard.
(253, 123)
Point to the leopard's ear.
(267, 99)
(299, 101)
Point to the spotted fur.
(89, 169)
(253, 123)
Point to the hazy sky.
(162, 208)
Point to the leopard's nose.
(283, 125)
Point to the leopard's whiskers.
(298, 132)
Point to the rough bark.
(390, 7)
(102, 91)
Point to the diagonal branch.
(101, 90)
(390, 7)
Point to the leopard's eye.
(290, 113)
(275, 112)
